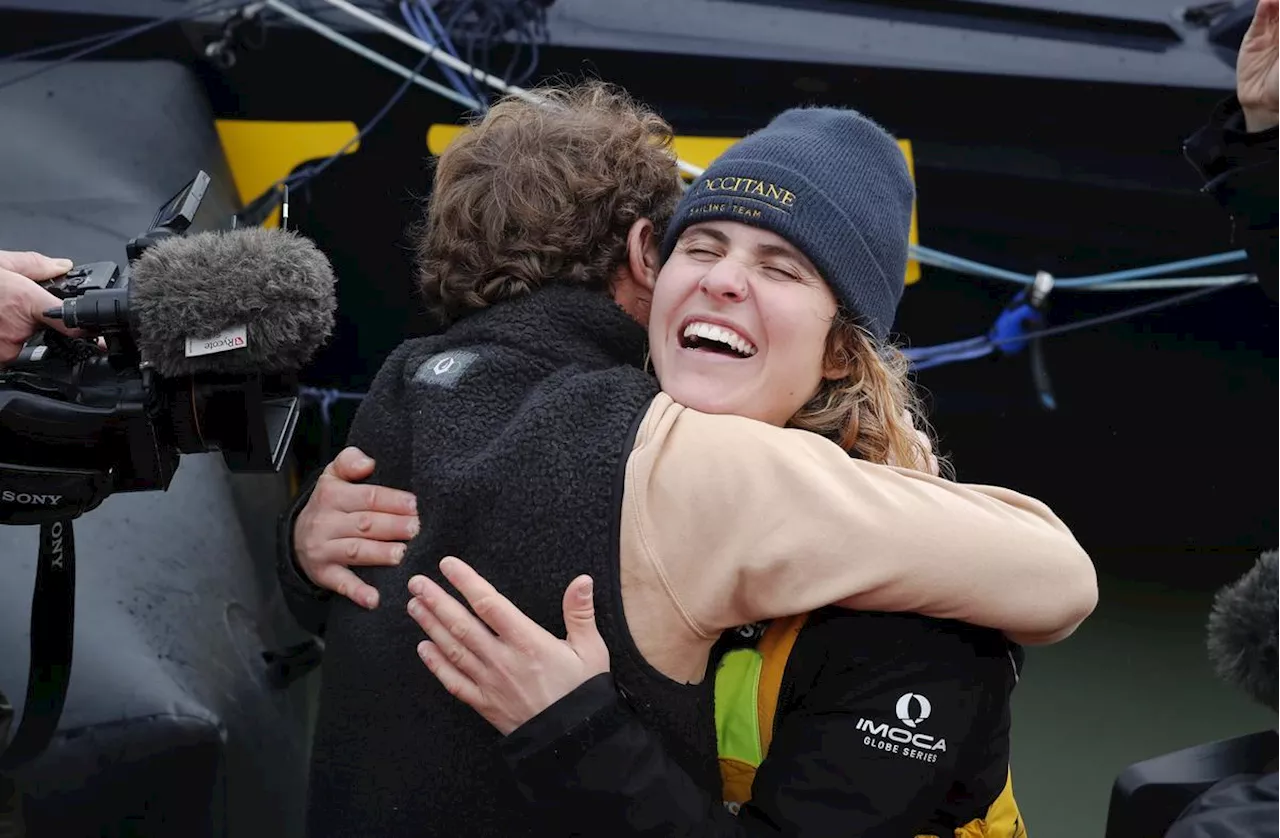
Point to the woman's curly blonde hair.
(870, 410)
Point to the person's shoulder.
(405, 352)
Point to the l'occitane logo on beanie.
(834, 184)
(768, 194)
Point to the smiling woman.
(749, 292)
(779, 285)
(791, 245)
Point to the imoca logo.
(913, 709)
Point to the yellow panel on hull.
(262, 152)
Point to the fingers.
(351, 538)
(498, 612)
(379, 526)
(33, 265)
(1265, 17)
(22, 313)
(338, 509)
(41, 301)
(351, 465)
(454, 624)
(459, 686)
(361, 552)
(454, 648)
(580, 626)
(335, 492)
(340, 580)
(349, 524)
(579, 604)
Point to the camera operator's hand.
(1257, 74)
(22, 301)
(346, 523)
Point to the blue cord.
(429, 14)
(1153, 270)
(302, 176)
(924, 357)
(920, 353)
(954, 357)
(417, 24)
(937, 258)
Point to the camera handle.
(53, 612)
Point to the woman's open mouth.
(703, 336)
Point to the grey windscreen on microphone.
(1242, 631)
(274, 287)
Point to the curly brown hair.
(539, 194)
(874, 411)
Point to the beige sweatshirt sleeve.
(740, 521)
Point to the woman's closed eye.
(785, 272)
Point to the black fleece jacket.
(512, 429)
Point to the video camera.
(78, 423)
(80, 420)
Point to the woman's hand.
(1256, 73)
(513, 673)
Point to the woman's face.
(739, 323)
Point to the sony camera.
(81, 418)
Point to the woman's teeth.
(709, 332)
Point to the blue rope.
(1010, 335)
(937, 258)
(413, 18)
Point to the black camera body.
(79, 422)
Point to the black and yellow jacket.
(918, 708)
(885, 725)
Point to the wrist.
(1257, 120)
(289, 562)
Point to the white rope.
(372, 55)
(529, 96)
(410, 40)
(1162, 284)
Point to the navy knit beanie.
(831, 182)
